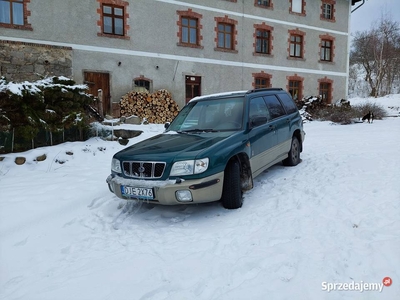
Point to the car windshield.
(210, 115)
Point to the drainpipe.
(363, 1)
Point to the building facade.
(188, 47)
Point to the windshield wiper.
(198, 130)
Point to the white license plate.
(138, 192)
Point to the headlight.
(189, 167)
(200, 165)
(116, 166)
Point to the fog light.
(183, 196)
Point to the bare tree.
(378, 51)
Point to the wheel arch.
(245, 170)
(297, 134)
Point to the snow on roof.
(218, 95)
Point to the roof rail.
(263, 89)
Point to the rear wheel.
(294, 153)
(232, 191)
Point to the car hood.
(170, 146)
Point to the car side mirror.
(257, 121)
(166, 125)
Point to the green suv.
(212, 150)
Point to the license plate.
(137, 192)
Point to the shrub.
(52, 105)
(363, 109)
(314, 108)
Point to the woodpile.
(157, 107)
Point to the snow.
(219, 94)
(34, 87)
(334, 218)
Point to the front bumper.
(202, 190)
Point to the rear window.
(288, 103)
(275, 107)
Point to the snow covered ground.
(335, 218)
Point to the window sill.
(297, 14)
(327, 62)
(296, 58)
(19, 27)
(189, 45)
(263, 54)
(225, 50)
(114, 36)
(265, 7)
(327, 20)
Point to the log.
(158, 107)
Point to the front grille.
(143, 169)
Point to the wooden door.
(193, 87)
(96, 81)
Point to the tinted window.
(274, 106)
(258, 108)
(288, 103)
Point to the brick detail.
(266, 27)
(141, 77)
(226, 20)
(190, 14)
(271, 5)
(328, 38)
(303, 9)
(330, 81)
(262, 74)
(27, 25)
(333, 3)
(121, 3)
(295, 77)
(303, 45)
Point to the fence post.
(100, 97)
(12, 140)
(112, 130)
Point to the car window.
(288, 103)
(274, 106)
(258, 108)
(207, 115)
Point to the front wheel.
(294, 153)
(232, 190)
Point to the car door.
(291, 110)
(262, 136)
(281, 123)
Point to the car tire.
(232, 191)
(293, 158)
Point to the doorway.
(96, 81)
(192, 87)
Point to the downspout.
(346, 95)
(348, 47)
(363, 1)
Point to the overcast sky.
(371, 13)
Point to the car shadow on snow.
(137, 210)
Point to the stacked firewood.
(158, 107)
